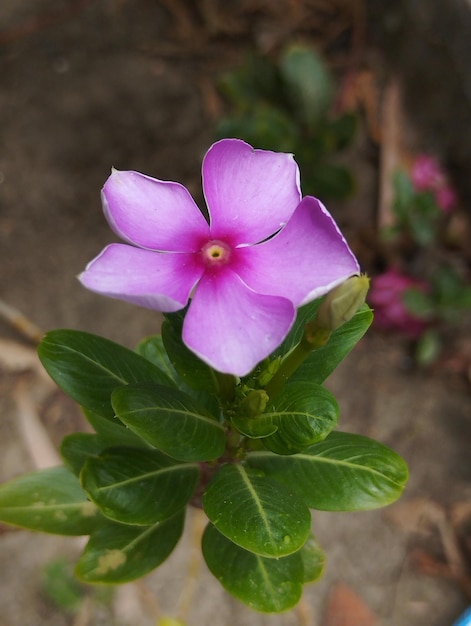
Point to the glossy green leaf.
(190, 368)
(304, 314)
(267, 585)
(113, 431)
(345, 472)
(323, 361)
(300, 415)
(313, 560)
(303, 413)
(308, 82)
(88, 367)
(49, 500)
(136, 486)
(78, 447)
(171, 421)
(256, 512)
(255, 428)
(152, 348)
(118, 553)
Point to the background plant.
(427, 281)
(286, 105)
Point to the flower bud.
(341, 304)
(254, 403)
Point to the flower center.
(216, 253)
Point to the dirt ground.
(89, 85)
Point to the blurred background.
(374, 99)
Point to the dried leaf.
(345, 608)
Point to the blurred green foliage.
(286, 106)
(420, 229)
(60, 585)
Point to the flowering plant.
(226, 408)
(422, 199)
(426, 287)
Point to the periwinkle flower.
(264, 252)
(428, 175)
(387, 299)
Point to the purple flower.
(387, 298)
(264, 252)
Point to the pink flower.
(427, 175)
(264, 252)
(445, 197)
(387, 299)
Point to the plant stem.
(309, 342)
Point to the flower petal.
(231, 327)
(150, 279)
(250, 193)
(305, 260)
(152, 213)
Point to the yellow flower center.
(216, 253)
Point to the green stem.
(312, 339)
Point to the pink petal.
(250, 193)
(231, 327)
(153, 280)
(308, 258)
(152, 213)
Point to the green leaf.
(136, 486)
(303, 315)
(60, 585)
(428, 347)
(254, 81)
(267, 585)
(114, 432)
(255, 428)
(152, 348)
(418, 303)
(190, 368)
(313, 560)
(171, 421)
(264, 126)
(49, 500)
(403, 194)
(327, 180)
(254, 513)
(117, 553)
(345, 472)
(88, 367)
(78, 447)
(309, 84)
(300, 415)
(304, 413)
(323, 361)
(341, 131)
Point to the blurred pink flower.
(445, 198)
(264, 252)
(387, 299)
(428, 175)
